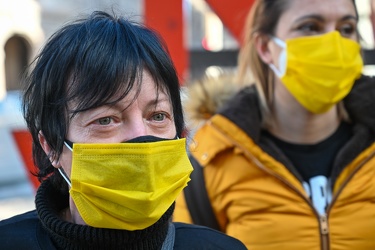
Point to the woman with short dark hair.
(103, 107)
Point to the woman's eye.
(309, 28)
(347, 30)
(105, 120)
(159, 117)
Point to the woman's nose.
(330, 27)
(135, 128)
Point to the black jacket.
(43, 229)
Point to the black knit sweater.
(65, 235)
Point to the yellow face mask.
(127, 185)
(319, 71)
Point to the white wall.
(57, 12)
(24, 22)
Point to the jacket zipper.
(323, 219)
(324, 231)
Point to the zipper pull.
(324, 225)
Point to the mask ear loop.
(67, 145)
(61, 170)
(282, 58)
(279, 42)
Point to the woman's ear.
(47, 149)
(262, 46)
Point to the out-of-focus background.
(203, 37)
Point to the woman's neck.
(304, 128)
(293, 123)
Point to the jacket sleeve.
(230, 178)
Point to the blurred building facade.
(24, 30)
(20, 35)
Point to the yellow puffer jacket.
(257, 198)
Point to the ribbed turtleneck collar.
(65, 235)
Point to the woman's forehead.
(145, 87)
(329, 8)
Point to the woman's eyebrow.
(158, 100)
(312, 16)
(349, 17)
(321, 18)
(121, 106)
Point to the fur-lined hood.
(203, 98)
